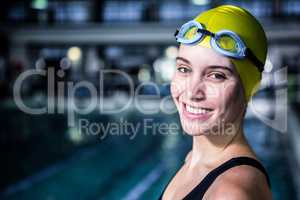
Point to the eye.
(183, 69)
(217, 76)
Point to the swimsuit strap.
(199, 191)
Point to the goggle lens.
(191, 33)
(228, 43)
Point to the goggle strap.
(206, 32)
(203, 31)
(254, 59)
(176, 32)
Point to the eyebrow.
(210, 66)
(220, 67)
(183, 59)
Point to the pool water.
(47, 160)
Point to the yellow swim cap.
(244, 24)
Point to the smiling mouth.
(196, 110)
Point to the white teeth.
(196, 110)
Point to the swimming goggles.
(225, 42)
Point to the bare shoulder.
(240, 183)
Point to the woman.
(220, 60)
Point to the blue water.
(48, 160)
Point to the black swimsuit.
(199, 191)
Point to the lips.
(193, 112)
(196, 110)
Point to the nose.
(196, 89)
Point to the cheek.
(213, 91)
(219, 92)
(177, 87)
(232, 93)
(229, 92)
(230, 99)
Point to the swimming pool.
(49, 160)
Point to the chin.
(195, 127)
(194, 132)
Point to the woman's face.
(207, 92)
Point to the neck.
(210, 150)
